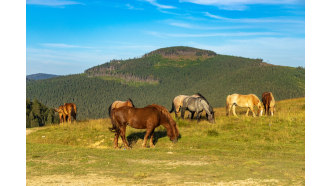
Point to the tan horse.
(177, 103)
(118, 104)
(269, 103)
(65, 111)
(245, 101)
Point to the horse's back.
(136, 117)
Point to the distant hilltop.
(182, 52)
(39, 76)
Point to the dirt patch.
(30, 130)
(72, 180)
(170, 163)
(94, 179)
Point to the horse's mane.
(129, 99)
(201, 96)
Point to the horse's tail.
(109, 110)
(114, 123)
(75, 111)
(227, 105)
(173, 107)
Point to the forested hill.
(159, 76)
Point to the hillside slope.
(162, 74)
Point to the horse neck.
(256, 100)
(206, 107)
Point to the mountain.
(158, 76)
(40, 76)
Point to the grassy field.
(244, 150)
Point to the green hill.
(164, 73)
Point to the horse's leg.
(247, 112)
(268, 110)
(254, 115)
(272, 111)
(198, 116)
(148, 132)
(123, 136)
(152, 138)
(115, 141)
(228, 109)
(192, 115)
(182, 112)
(69, 118)
(176, 111)
(234, 110)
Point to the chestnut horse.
(67, 111)
(148, 118)
(245, 101)
(177, 103)
(269, 103)
(118, 104)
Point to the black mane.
(201, 96)
(129, 99)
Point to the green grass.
(268, 150)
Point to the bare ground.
(101, 180)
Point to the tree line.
(37, 114)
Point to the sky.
(69, 36)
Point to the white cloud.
(279, 51)
(52, 2)
(258, 20)
(154, 2)
(239, 4)
(131, 7)
(62, 45)
(220, 34)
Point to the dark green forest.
(159, 76)
(37, 114)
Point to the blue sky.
(69, 36)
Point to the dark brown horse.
(269, 103)
(67, 111)
(147, 118)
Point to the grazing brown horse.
(269, 103)
(147, 118)
(177, 103)
(245, 101)
(67, 111)
(118, 104)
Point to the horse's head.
(59, 109)
(210, 117)
(260, 108)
